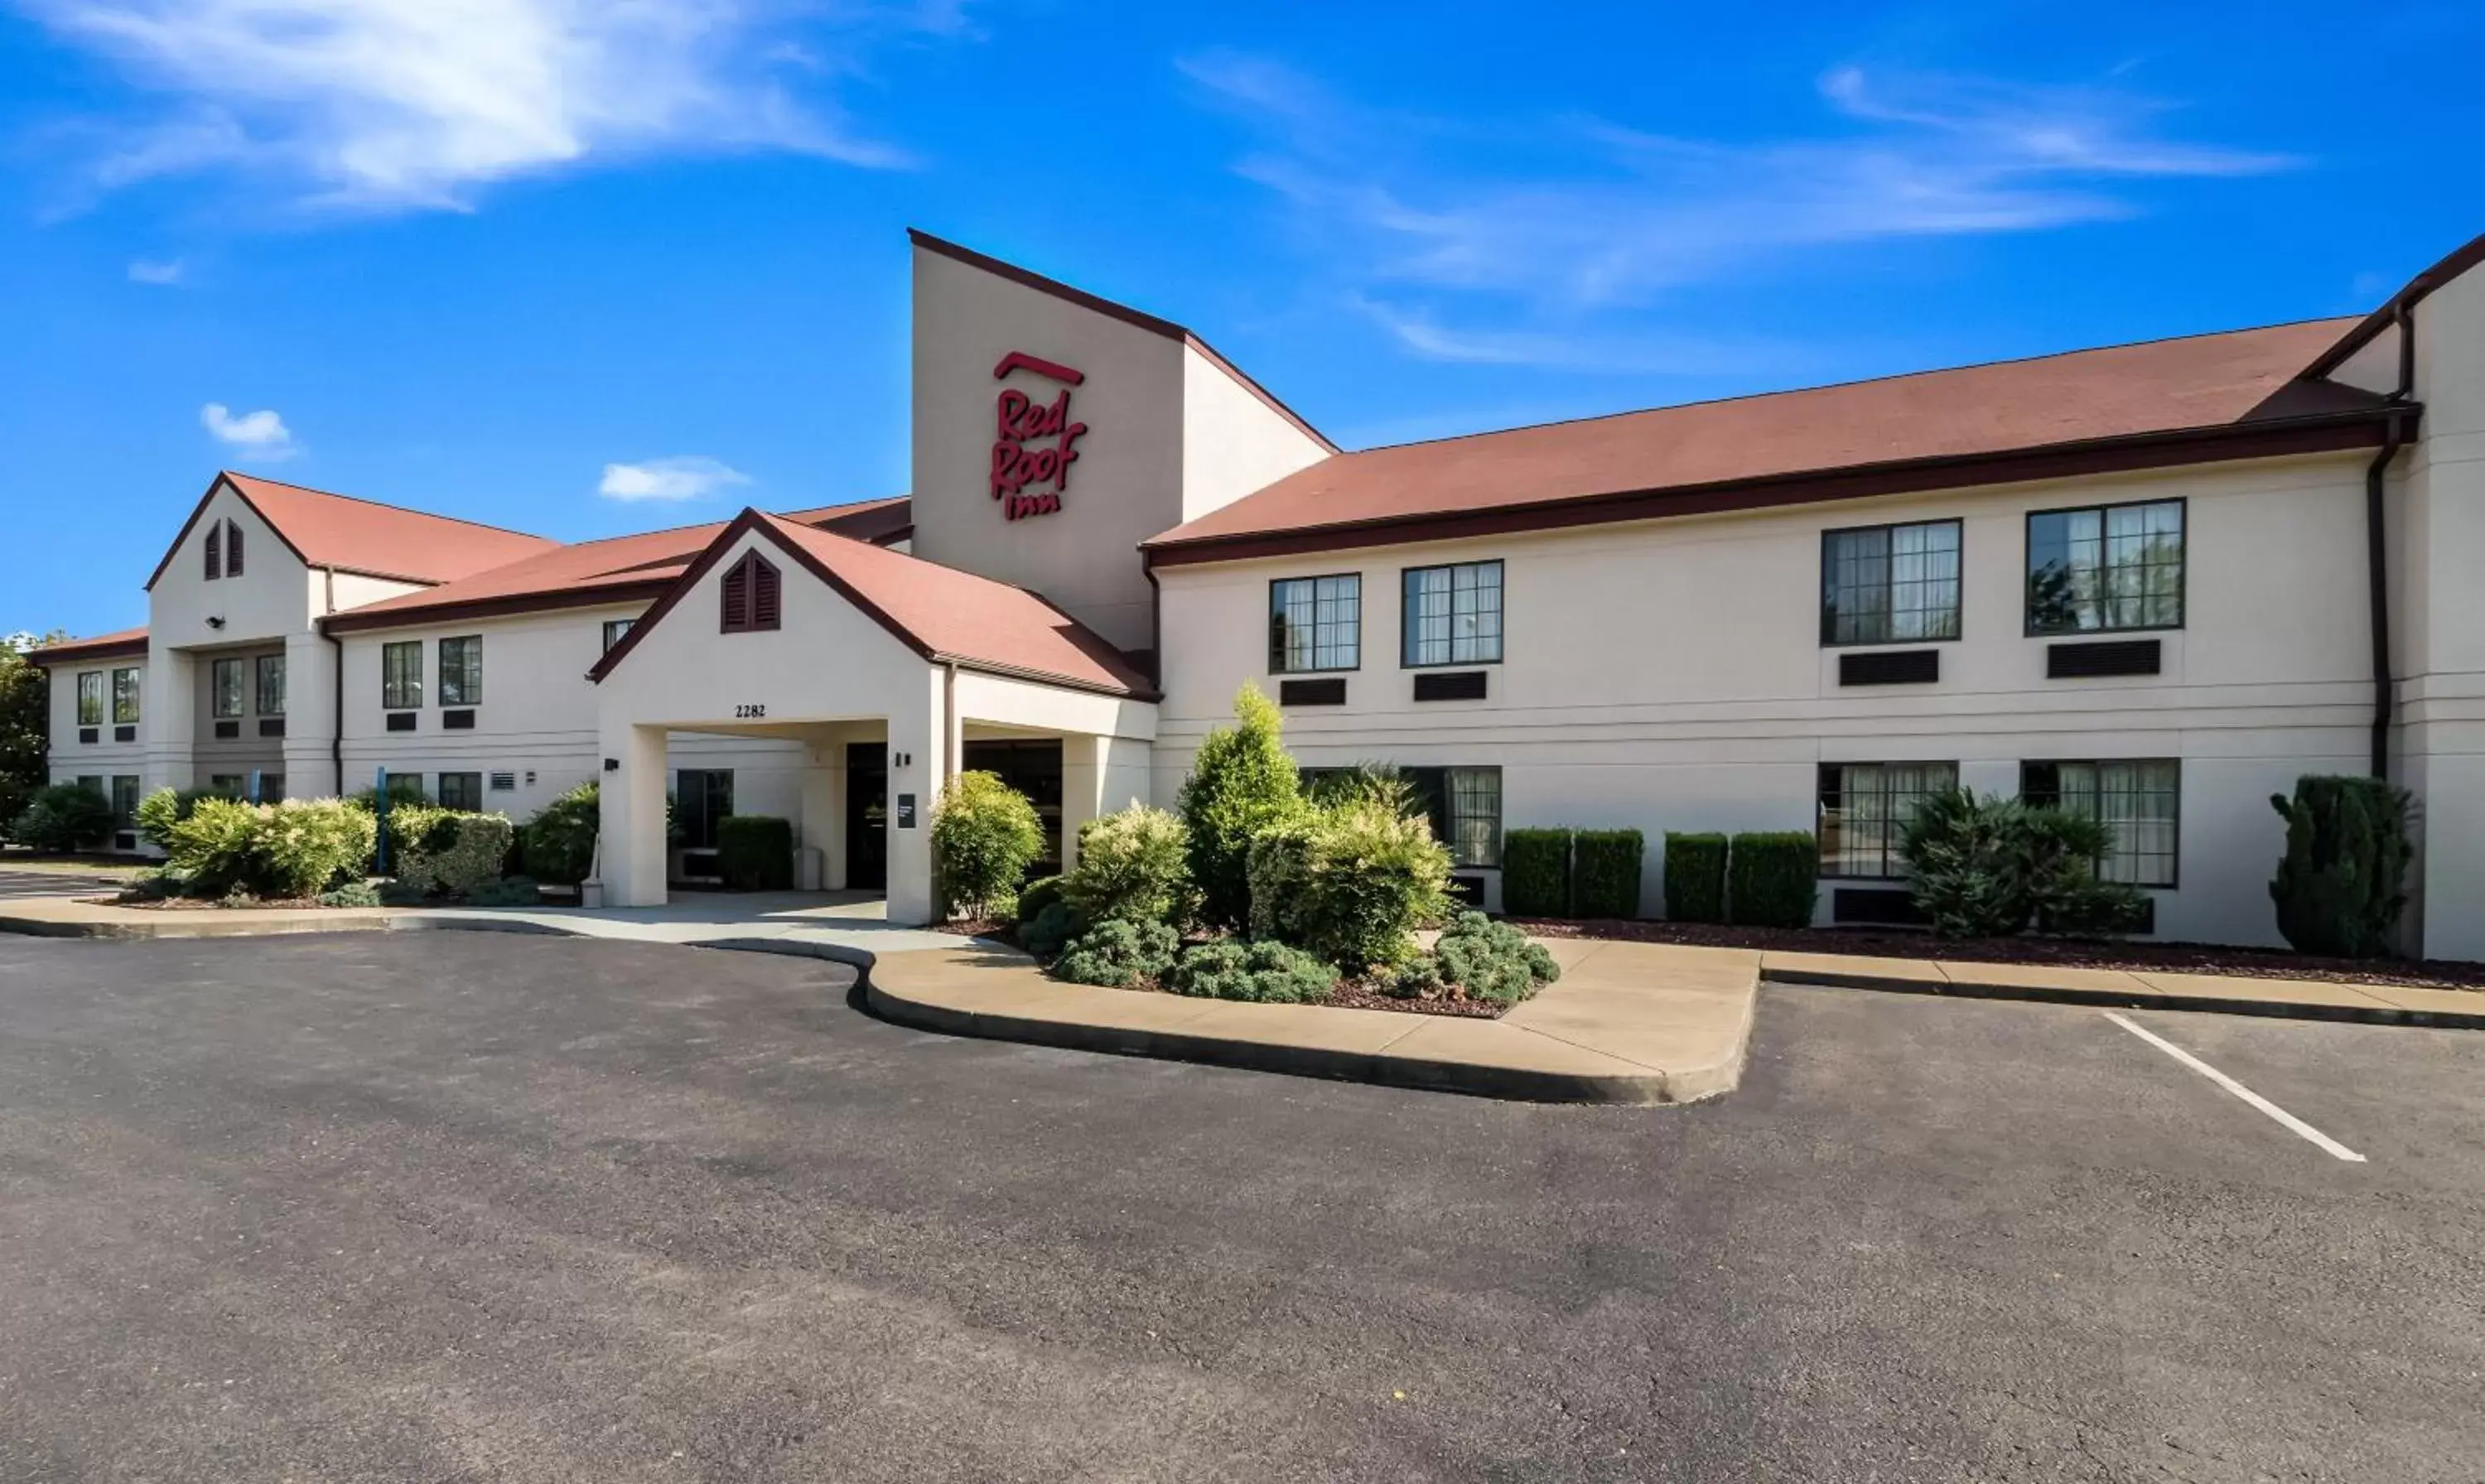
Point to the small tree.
(1131, 864)
(2338, 888)
(984, 836)
(1989, 867)
(559, 844)
(63, 817)
(1241, 784)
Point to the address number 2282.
(747, 713)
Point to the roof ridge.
(383, 504)
(1859, 381)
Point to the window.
(2106, 567)
(90, 698)
(125, 697)
(271, 788)
(750, 597)
(1315, 624)
(2140, 802)
(233, 548)
(215, 550)
(224, 688)
(1453, 614)
(271, 685)
(702, 796)
(124, 800)
(401, 675)
(1464, 804)
(616, 629)
(1890, 584)
(461, 791)
(1863, 812)
(229, 785)
(461, 671)
(405, 789)
(92, 783)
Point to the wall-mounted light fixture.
(901, 759)
(217, 621)
(611, 765)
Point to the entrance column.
(631, 804)
(1082, 789)
(919, 730)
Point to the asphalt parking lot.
(451, 1206)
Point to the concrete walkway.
(1626, 1023)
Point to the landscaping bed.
(1350, 994)
(2054, 952)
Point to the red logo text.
(1034, 442)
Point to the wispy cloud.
(417, 103)
(260, 434)
(162, 272)
(1496, 241)
(672, 480)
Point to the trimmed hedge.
(1775, 879)
(2338, 888)
(1535, 873)
(1604, 871)
(755, 853)
(1695, 878)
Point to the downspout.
(2377, 545)
(337, 674)
(948, 725)
(1155, 621)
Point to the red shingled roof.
(2246, 379)
(118, 644)
(944, 614)
(367, 537)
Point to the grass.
(15, 858)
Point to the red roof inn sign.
(1034, 444)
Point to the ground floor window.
(462, 790)
(1863, 812)
(702, 796)
(1466, 806)
(2139, 800)
(271, 788)
(405, 789)
(92, 783)
(124, 800)
(229, 785)
(1034, 767)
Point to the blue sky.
(583, 268)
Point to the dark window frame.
(217, 669)
(233, 548)
(123, 817)
(1406, 637)
(1438, 791)
(392, 696)
(1829, 584)
(464, 696)
(697, 821)
(258, 680)
(1277, 664)
(616, 629)
(1830, 782)
(135, 711)
(440, 792)
(215, 551)
(2030, 793)
(2027, 556)
(101, 694)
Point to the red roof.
(944, 614)
(2242, 379)
(363, 536)
(103, 646)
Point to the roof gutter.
(2376, 560)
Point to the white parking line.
(2328, 1145)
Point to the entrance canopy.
(781, 630)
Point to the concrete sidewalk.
(1631, 1023)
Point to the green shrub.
(1605, 866)
(63, 816)
(353, 893)
(1280, 858)
(1695, 878)
(406, 826)
(1419, 978)
(1989, 867)
(508, 891)
(299, 847)
(984, 836)
(158, 812)
(1492, 960)
(401, 894)
(1241, 784)
(1774, 880)
(212, 849)
(1350, 884)
(1037, 894)
(1535, 873)
(1259, 971)
(755, 853)
(1049, 929)
(1130, 864)
(454, 852)
(1378, 783)
(1117, 954)
(559, 844)
(2338, 888)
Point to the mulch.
(2062, 952)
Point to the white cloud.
(414, 103)
(1520, 242)
(262, 434)
(158, 270)
(689, 478)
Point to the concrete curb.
(2137, 999)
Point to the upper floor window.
(2106, 567)
(271, 685)
(461, 671)
(224, 688)
(2139, 801)
(616, 629)
(90, 698)
(1315, 624)
(125, 697)
(1453, 614)
(1865, 808)
(401, 675)
(751, 596)
(1890, 584)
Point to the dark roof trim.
(355, 621)
(2460, 259)
(1141, 319)
(75, 650)
(2362, 428)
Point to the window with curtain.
(461, 791)
(2139, 801)
(1863, 812)
(90, 698)
(124, 800)
(401, 675)
(224, 688)
(1890, 584)
(271, 685)
(1452, 614)
(1315, 624)
(125, 697)
(461, 671)
(2106, 567)
(1464, 804)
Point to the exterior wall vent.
(2106, 656)
(462, 721)
(124, 734)
(90, 733)
(1450, 685)
(400, 721)
(1889, 667)
(1325, 691)
(227, 731)
(271, 726)
(503, 783)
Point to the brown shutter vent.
(737, 598)
(233, 548)
(215, 551)
(765, 595)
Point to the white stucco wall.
(1669, 676)
(1233, 442)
